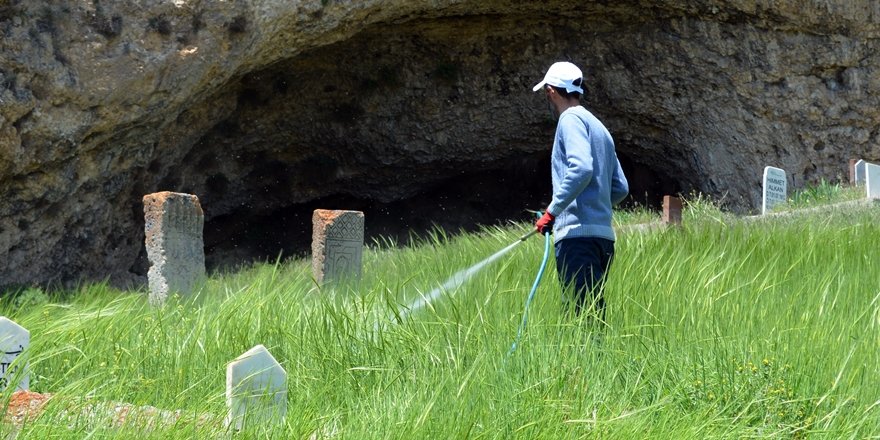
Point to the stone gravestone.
(256, 389)
(859, 172)
(852, 171)
(175, 247)
(775, 188)
(337, 244)
(14, 340)
(671, 211)
(872, 180)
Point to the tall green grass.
(823, 193)
(719, 329)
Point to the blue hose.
(525, 317)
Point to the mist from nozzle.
(454, 282)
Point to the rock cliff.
(415, 111)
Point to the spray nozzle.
(531, 233)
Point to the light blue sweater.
(587, 178)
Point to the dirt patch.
(24, 405)
(27, 405)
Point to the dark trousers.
(582, 263)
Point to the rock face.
(412, 111)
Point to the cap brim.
(539, 86)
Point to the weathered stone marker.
(337, 244)
(775, 188)
(14, 340)
(256, 389)
(175, 247)
(671, 211)
(872, 180)
(859, 172)
(852, 171)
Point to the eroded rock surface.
(414, 109)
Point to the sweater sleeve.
(619, 185)
(578, 163)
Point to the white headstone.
(14, 340)
(256, 389)
(860, 172)
(775, 188)
(872, 180)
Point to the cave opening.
(465, 202)
(647, 184)
(416, 126)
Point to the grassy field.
(724, 328)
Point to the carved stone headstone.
(14, 340)
(859, 172)
(175, 246)
(775, 188)
(256, 389)
(872, 180)
(671, 211)
(337, 244)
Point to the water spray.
(459, 278)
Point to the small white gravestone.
(256, 389)
(860, 172)
(14, 340)
(775, 188)
(872, 180)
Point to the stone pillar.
(175, 246)
(852, 171)
(14, 340)
(256, 389)
(671, 211)
(337, 245)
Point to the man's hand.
(545, 223)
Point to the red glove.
(545, 223)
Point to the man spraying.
(587, 182)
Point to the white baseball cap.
(564, 75)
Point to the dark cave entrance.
(463, 203)
(647, 185)
(416, 127)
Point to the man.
(587, 182)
